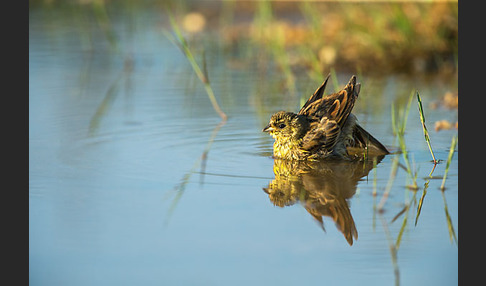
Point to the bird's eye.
(281, 125)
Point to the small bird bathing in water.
(323, 128)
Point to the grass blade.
(201, 74)
(426, 133)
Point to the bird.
(324, 128)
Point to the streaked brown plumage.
(321, 187)
(323, 128)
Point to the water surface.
(119, 195)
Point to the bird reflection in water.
(322, 188)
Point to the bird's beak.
(268, 128)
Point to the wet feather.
(323, 128)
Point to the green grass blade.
(201, 73)
(426, 133)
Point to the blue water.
(119, 195)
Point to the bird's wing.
(317, 95)
(322, 134)
(336, 106)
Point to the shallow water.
(118, 193)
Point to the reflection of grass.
(393, 174)
(450, 227)
(421, 201)
(449, 159)
(393, 251)
(111, 95)
(399, 122)
(200, 162)
(404, 224)
(105, 104)
(405, 211)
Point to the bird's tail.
(365, 139)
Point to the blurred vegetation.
(289, 46)
(376, 37)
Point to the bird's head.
(287, 125)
